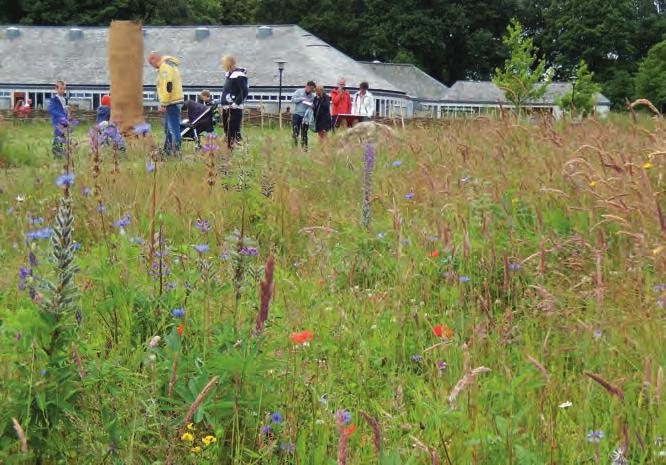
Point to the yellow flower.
(190, 426)
(658, 250)
(196, 449)
(593, 183)
(208, 440)
(187, 437)
(647, 165)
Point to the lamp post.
(280, 64)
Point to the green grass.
(525, 239)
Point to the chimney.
(201, 33)
(264, 32)
(75, 33)
(12, 32)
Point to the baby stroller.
(199, 120)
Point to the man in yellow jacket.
(170, 96)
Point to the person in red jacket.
(340, 102)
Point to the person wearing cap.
(363, 103)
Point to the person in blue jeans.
(303, 100)
(170, 96)
(59, 118)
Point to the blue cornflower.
(597, 334)
(405, 242)
(276, 418)
(178, 312)
(201, 248)
(65, 180)
(42, 372)
(463, 279)
(43, 233)
(24, 275)
(202, 226)
(150, 168)
(266, 429)
(122, 222)
(76, 246)
(345, 417)
(415, 358)
(396, 164)
(514, 266)
(136, 241)
(287, 447)
(141, 129)
(36, 221)
(86, 191)
(409, 196)
(100, 208)
(595, 436)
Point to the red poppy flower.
(180, 329)
(302, 337)
(434, 253)
(349, 430)
(442, 331)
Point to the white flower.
(20, 198)
(566, 404)
(154, 341)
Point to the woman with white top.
(363, 103)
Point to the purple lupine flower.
(201, 248)
(24, 275)
(78, 316)
(202, 226)
(250, 251)
(276, 418)
(32, 259)
(18, 336)
(122, 222)
(368, 166)
(595, 436)
(65, 180)
(178, 312)
(409, 195)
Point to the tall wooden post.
(125, 53)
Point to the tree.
(651, 77)
(524, 77)
(582, 97)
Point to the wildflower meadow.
(474, 291)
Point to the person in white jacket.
(363, 103)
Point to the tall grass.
(541, 246)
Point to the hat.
(106, 101)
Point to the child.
(59, 118)
(110, 135)
(104, 110)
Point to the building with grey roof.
(32, 58)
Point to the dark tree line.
(450, 39)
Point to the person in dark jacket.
(234, 93)
(322, 112)
(59, 118)
(104, 110)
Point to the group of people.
(171, 98)
(314, 108)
